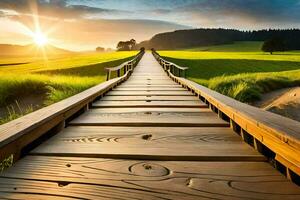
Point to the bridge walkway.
(148, 138)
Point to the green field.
(55, 78)
(235, 47)
(243, 75)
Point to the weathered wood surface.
(149, 92)
(147, 110)
(149, 103)
(149, 97)
(92, 178)
(204, 118)
(129, 148)
(150, 88)
(159, 143)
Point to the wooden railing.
(125, 67)
(19, 136)
(275, 136)
(169, 66)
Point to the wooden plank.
(149, 89)
(150, 103)
(135, 77)
(124, 85)
(144, 84)
(203, 118)
(157, 143)
(154, 73)
(149, 97)
(152, 93)
(155, 109)
(92, 178)
(151, 81)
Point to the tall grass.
(56, 78)
(240, 75)
(249, 87)
(6, 163)
(15, 111)
(56, 87)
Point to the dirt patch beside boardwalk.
(284, 102)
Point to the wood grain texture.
(124, 85)
(152, 93)
(159, 143)
(203, 118)
(155, 110)
(92, 178)
(149, 88)
(139, 82)
(149, 97)
(136, 77)
(150, 103)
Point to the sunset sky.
(85, 24)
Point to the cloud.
(89, 33)
(241, 13)
(54, 8)
(89, 23)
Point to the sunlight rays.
(40, 39)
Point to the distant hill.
(31, 49)
(207, 37)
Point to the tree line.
(288, 39)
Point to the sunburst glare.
(40, 39)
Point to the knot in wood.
(149, 169)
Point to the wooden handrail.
(126, 66)
(17, 137)
(275, 136)
(174, 69)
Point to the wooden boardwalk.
(148, 138)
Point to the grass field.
(243, 75)
(56, 78)
(235, 47)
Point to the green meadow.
(54, 78)
(244, 73)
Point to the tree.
(132, 43)
(126, 45)
(100, 49)
(273, 44)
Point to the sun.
(40, 39)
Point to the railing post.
(118, 72)
(108, 75)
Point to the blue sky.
(79, 24)
(250, 14)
